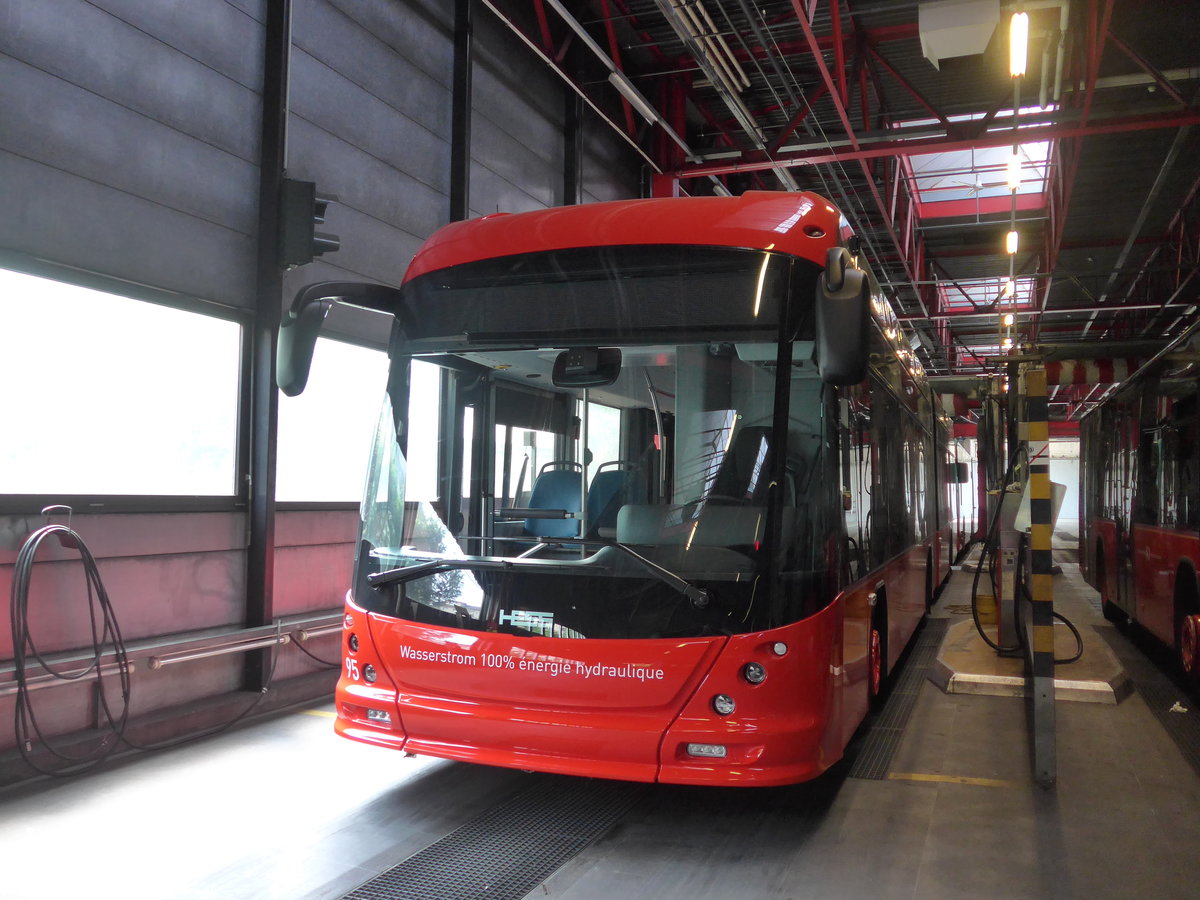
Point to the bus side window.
(857, 478)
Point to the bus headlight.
(369, 673)
(723, 705)
(353, 642)
(754, 672)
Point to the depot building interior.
(178, 536)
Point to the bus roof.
(799, 224)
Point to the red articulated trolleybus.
(1140, 503)
(656, 493)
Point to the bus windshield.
(635, 463)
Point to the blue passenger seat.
(558, 486)
(609, 491)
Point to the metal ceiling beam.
(567, 79)
(724, 80)
(543, 26)
(1159, 78)
(886, 34)
(648, 42)
(1177, 229)
(1115, 125)
(788, 130)
(839, 49)
(904, 83)
(1139, 222)
(1096, 34)
(1056, 311)
(910, 250)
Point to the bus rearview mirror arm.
(843, 302)
(302, 323)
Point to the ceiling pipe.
(707, 32)
(704, 57)
(622, 83)
(629, 90)
(570, 82)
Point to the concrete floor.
(283, 809)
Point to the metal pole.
(460, 113)
(264, 397)
(572, 149)
(1040, 624)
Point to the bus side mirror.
(960, 473)
(297, 338)
(302, 323)
(843, 301)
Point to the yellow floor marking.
(323, 713)
(950, 779)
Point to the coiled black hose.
(106, 642)
(106, 633)
(987, 557)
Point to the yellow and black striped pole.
(1040, 622)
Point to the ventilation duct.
(956, 27)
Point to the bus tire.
(1110, 610)
(1187, 624)
(877, 653)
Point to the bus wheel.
(1189, 644)
(1110, 610)
(875, 662)
(1187, 624)
(877, 659)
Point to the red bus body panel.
(802, 225)
(627, 709)
(1104, 538)
(1157, 554)
(583, 707)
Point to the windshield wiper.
(699, 597)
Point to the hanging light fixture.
(1010, 242)
(1018, 44)
(1014, 172)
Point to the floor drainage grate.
(874, 749)
(509, 850)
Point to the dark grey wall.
(129, 139)
(129, 146)
(129, 136)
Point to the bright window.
(325, 432)
(108, 395)
(975, 181)
(604, 436)
(985, 294)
